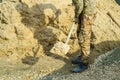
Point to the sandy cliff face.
(32, 24)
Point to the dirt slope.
(24, 25)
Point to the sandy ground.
(105, 67)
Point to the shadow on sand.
(34, 18)
(118, 2)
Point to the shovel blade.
(60, 48)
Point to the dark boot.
(77, 60)
(81, 67)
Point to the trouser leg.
(84, 36)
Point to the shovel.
(61, 48)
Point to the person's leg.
(84, 41)
(84, 34)
(84, 38)
(85, 29)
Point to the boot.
(81, 67)
(77, 60)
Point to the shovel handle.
(70, 32)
